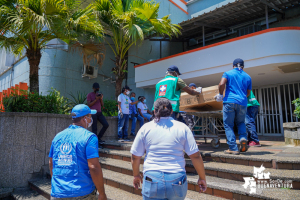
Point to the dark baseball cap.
(238, 61)
(173, 68)
(127, 88)
(192, 84)
(96, 85)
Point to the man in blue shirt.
(238, 86)
(133, 115)
(74, 164)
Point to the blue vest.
(71, 176)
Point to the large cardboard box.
(203, 102)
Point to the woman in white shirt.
(143, 109)
(164, 140)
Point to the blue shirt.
(238, 82)
(70, 151)
(132, 109)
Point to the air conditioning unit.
(89, 71)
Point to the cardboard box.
(203, 102)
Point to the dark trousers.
(175, 115)
(250, 121)
(99, 116)
(187, 119)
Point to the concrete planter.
(25, 140)
(292, 133)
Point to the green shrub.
(110, 108)
(297, 109)
(34, 102)
(80, 98)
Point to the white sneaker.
(120, 140)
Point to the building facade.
(266, 34)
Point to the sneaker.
(254, 144)
(120, 140)
(127, 140)
(101, 141)
(231, 152)
(243, 145)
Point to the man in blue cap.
(74, 164)
(238, 87)
(170, 87)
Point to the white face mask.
(127, 92)
(89, 124)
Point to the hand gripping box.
(203, 102)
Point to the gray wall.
(62, 70)
(168, 8)
(25, 140)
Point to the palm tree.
(129, 22)
(26, 26)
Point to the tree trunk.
(118, 86)
(34, 58)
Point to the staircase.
(224, 176)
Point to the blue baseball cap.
(192, 84)
(81, 110)
(238, 61)
(173, 68)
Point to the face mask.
(127, 92)
(132, 98)
(89, 124)
(144, 100)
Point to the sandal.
(231, 152)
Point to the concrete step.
(218, 169)
(44, 186)
(270, 159)
(236, 188)
(28, 194)
(112, 192)
(123, 181)
(217, 187)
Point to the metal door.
(269, 119)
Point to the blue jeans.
(164, 186)
(123, 124)
(147, 115)
(234, 113)
(251, 115)
(134, 119)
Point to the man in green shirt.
(252, 110)
(170, 87)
